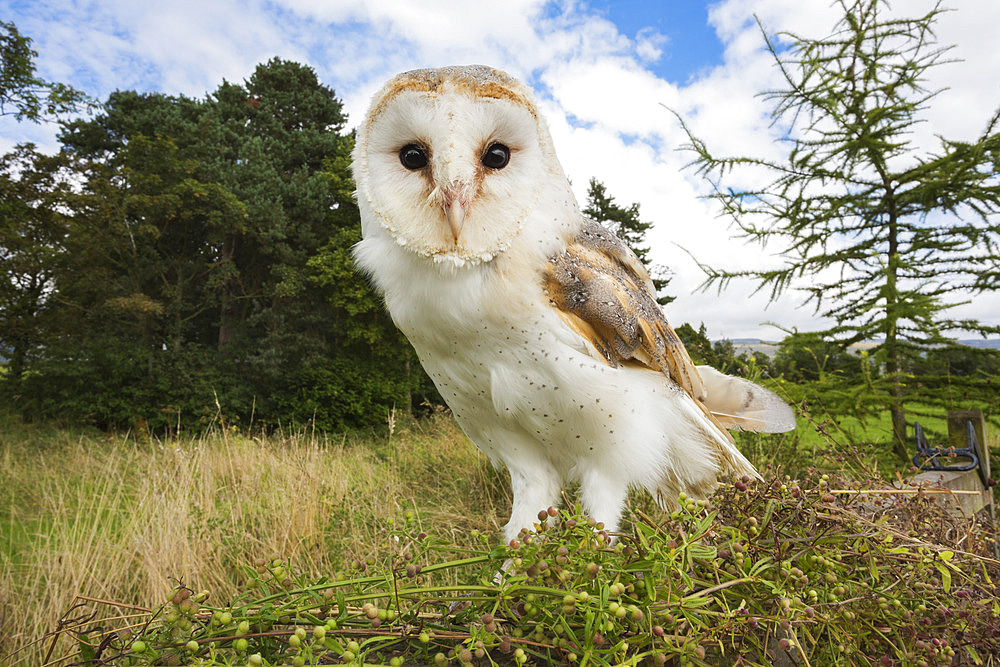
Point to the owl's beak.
(455, 208)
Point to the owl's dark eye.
(496, 156)
(413, 157)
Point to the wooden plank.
(958, 433)
(969, 495)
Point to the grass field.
(820, 430)
(125, 518)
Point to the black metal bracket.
(933, 458)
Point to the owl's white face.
(451, 166)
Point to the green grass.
(843, 426)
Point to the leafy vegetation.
(23, 94)
(184, 254)
(802, 568)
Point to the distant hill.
(752, 345)
(770, 347)
(991, 343)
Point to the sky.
(604, 72)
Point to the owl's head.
(451, 161)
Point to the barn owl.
(538, 326)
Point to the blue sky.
(691, 44)
(602, 72)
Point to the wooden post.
(974, 498)
(958, 432)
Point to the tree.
(882, 237)
(128, 335)
(205, 264)
(23, 94)
(697, 344)
(293, 312)
(809, 357)
(624, 222)
(722, 354)
(33, 224)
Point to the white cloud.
(596, 85)
(649, 44)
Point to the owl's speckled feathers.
(538, 326)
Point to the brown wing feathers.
(604, 293)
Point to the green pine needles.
(626, 224)
(882, 237)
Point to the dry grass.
(124, 520)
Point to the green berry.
(241, 645)
(255, 660)
(191, 646)
(139, 646)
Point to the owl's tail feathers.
(739, 404)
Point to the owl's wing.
(605, 294)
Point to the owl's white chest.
(520, 383)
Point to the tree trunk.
(177, 335)
(892, 368)
(898, 415)
(892, 365)
(228, 312)
(15, 369)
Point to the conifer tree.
(203, 263)
(881, 236)
(626, 223)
